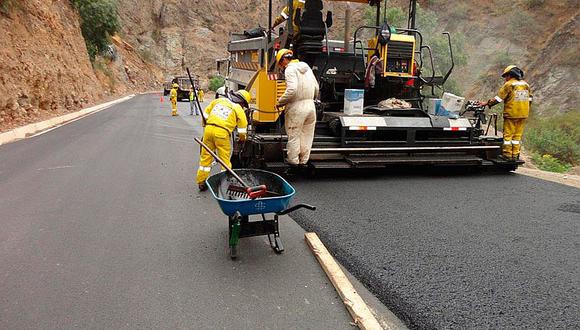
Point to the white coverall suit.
(300, 112)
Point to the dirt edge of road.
(565, 179)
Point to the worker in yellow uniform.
(517, 98)
(200, 95)
(296, 4)
(221, 118)
(173, 99)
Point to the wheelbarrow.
(239, 207)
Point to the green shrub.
(99, 21)
(396, 16)
(550, 163)
(532, 4)
(6, 6)
(558, 136)
(216, 82)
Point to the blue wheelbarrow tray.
(218, 185)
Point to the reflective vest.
(226, 114)
(516, 96)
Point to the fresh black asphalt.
(452, 250)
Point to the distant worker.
(297, 6)
(222, 116)
(517, 98)
(300, 110)
(173, 99)
(200, 95)
(193, 104)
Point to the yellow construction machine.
(377, 136)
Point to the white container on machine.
(354, 100)
(452, 102)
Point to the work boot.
(292, 169)
(504, 158)
(202, 187)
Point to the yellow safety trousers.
(174, 107)
(513, 129)
(218, 139)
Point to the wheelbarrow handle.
(297, 207)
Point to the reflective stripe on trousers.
(218, 139)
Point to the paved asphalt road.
(102, 227)
(456, 251)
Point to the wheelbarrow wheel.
(234, 252)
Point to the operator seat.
(312, 31)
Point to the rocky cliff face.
(540, 36)
(45, 69)
(42, 67)
(177, 34)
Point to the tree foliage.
(216, 82)
(99, 21)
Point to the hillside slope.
(538, 35)
(45, 69)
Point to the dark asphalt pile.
(458, 251)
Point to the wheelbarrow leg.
(276, 243)
(235, 226)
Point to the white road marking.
(54, 168)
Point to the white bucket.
(354, 100)
(452, 102)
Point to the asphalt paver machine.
(377, 137)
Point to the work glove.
(242, 137)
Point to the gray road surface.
(102, 227)
(456, 251)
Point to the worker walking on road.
(517, 98)
(193, 103)
(173, 99)
(300, 110)
(221, 118)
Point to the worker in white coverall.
(300, 110)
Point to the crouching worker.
(222, 116)
(517, 98)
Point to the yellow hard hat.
(175, 85)
(507, 70)
(245, 95)
(283, 52)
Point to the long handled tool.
(250, 192)
(195, 95)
